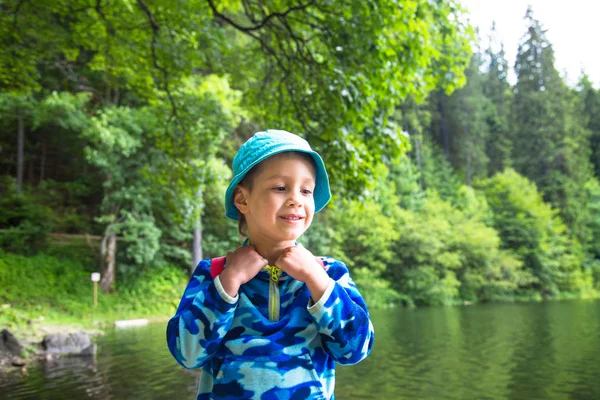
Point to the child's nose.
(294, 200)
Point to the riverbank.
(31, 338)
(52, 294)
(57, 290)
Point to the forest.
(452, 185)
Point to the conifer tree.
(550, 145)
(590, 98)
(497, 89)
(467, 125)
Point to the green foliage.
(155, 291)
(376, 291)
(332, 72)
(360, 235)
(62, 288)
(363, 235)
(437, 173)
(55, 285)
(464, 120)
(64, 110)
(12, 318)
(220, 234)
(590, 99)
(156, 166)
(132, 112)
(407, 182)
(319, 237)
(551, 147)
(533, 231)
(496, 88)
(444, 255)
(24, 222)
(424, 286)
(592, 263)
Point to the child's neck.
(270, 250)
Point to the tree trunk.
(468, 147)
(43, 161)
(197, 245)
(468, 168)
(443, 126)
(31, 168)
(419, 160)
(116, 96)
(20, 146)
(109, 250)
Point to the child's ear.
(240, 199)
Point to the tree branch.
(155, 30)
(260, 24)
(16, 13)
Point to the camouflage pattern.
(245, 356)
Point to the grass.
(43, 292)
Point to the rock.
(18, 362)
(9, 345)
(69, 344)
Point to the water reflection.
(512, 351)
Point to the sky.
(573, 29)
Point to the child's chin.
(292, 236)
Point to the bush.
(156, 290)
(60, 288)
(532, 230)
(444, 255)
(25, 224)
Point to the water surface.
(499, 351)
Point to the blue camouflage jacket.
(270, 341)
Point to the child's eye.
(306, 191)
(279, 188)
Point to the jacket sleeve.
(342, 317)
(202, 319)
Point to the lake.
(495, 351)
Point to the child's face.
(280, 206)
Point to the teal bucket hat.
(263, 145)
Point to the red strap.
(216, 266)
(218, 263)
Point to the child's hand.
(241, 266)
(301, 264)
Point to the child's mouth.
(291, 217)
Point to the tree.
(467, 115)
(20, 107)
(534, 232)
(590, 98)
(550, 146)
(444, 254)
(497, 89)
(154, 169)
(330, 72)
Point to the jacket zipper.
(275, 272)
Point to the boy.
(274, 320)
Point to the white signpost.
(95, 279)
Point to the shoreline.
(31, 335)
